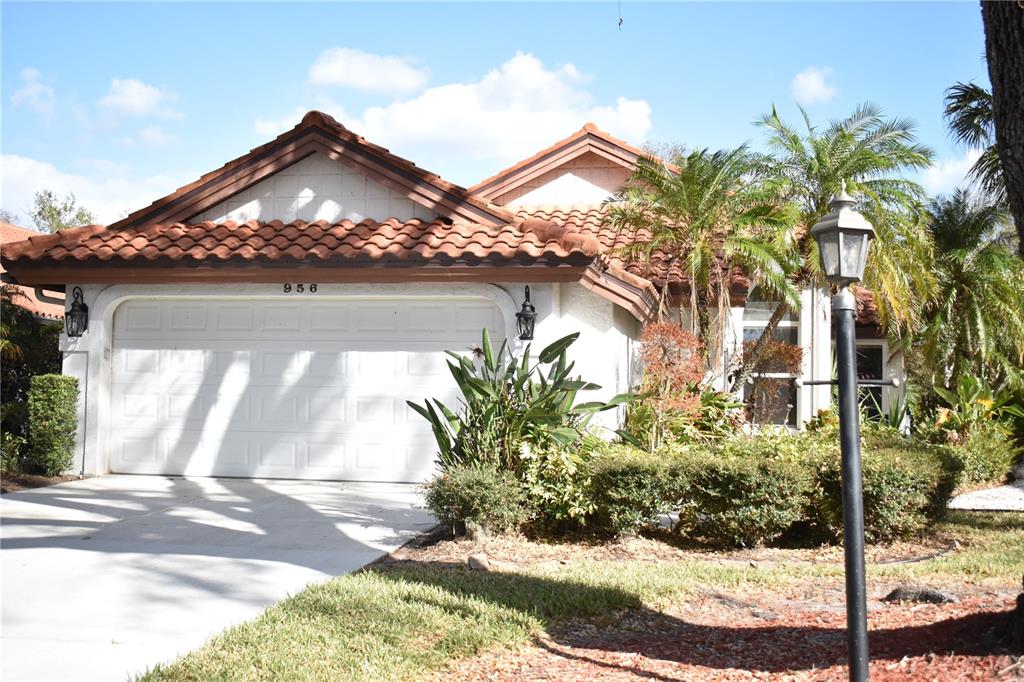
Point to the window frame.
(790, 321)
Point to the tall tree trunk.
(1004, 46)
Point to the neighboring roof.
(27, 299)
(318, 132)
(588, 139)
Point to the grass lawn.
(403, 619)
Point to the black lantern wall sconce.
(76, 319)
(526, 318)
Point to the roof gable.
(318, 133)
(587, 140)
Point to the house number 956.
(300, 288)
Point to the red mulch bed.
(723, 639)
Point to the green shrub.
(53, 421)
(480, 495)
(907, 484)
(630, 487)
(746, 491)
(985, 455)
(557, 483)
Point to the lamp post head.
(843, 237)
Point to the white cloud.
(131, 97)
(508, 114)
(111, 196)
(811, 87)
(366, 71)
(37, 96)
(948, 174)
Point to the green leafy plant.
(53, 422)
(895, 418)
(972, 405)
(508, 402)
(10, 452)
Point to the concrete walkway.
(104, 578)
(1001, 498)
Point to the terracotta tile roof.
(10, 234)
(392, 241)
(867, 307)
(592, 220)
(318, 132)
(587, 138)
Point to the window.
(870, 365)
(771, 394)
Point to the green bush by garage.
(53, 423)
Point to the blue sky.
(121, 103)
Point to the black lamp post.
(526, 318)
(76, 319)
(843, 237)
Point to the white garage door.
(296, 389)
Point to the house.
(271, 318)
(46, 306)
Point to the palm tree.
(970, 120)
(874, 156)
(977, 327)
(9, 348)
(707, 217)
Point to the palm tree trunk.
(748, 363)
(1004, 36)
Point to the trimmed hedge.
(746, 492)
(907, 485)
(480, 495)
(630, 487)
(52, 423)
(754, 490)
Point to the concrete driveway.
(104, 578)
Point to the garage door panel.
(304, 390)
(347, 319)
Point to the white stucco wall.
(588, 179)
(317, 188)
